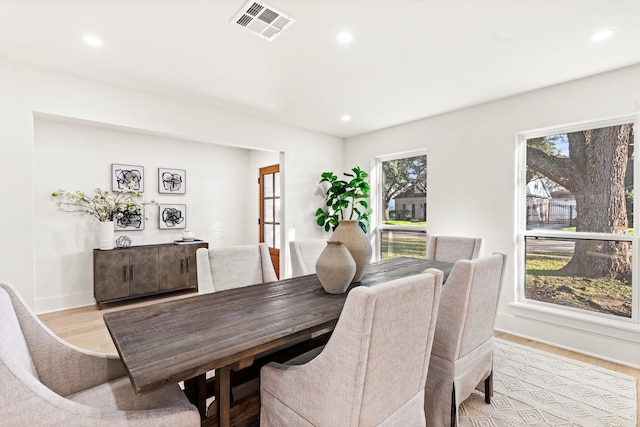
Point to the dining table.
(234, 331)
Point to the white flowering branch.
(104, 205)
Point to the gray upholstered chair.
(46, 381)
(453, 248)
(372, 369)
(304, 254)
(233, 267)
(462, 354)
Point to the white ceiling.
(409, 58)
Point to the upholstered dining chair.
(304, 254)
(453, 248)
(462, 354)
(46, 381)
(371, 371)
(233, 267)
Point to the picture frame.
(172, 181)
(172, 216)
(131, 221)
(122, 175)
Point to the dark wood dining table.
(227, 331)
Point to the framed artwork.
(172, 217)
(172, 181)
(130, 221)
(123, 175)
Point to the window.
(577, 219)
(402, 205)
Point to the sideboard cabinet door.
(192, 271)
(177, 266)
(110, 274)
(143, 270)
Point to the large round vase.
(357, 243)
(106, 235)
(335, 267)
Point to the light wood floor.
(84, 327)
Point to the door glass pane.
(276, 184)
(268, 210)
(593, 275)
(267, 185)
(276, 210)
(268, 234)
(276, 236)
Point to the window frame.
(580, 319)
(377, 227)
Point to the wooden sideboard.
(125, 273)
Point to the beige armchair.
(304, 254)
(462, 354)
(453, 248)
(46, 381)
(373, 368)
(233, 267)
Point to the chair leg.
(454, 408)
(488, 388)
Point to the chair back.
(233, 267)
(304, 254)
(14, 352)
(469, 303)
(376, 361)
(453, 248)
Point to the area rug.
(535, 388)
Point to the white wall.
(78, 156)
(471, 159)
(35, 106)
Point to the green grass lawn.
(545, 282)
(411, 247)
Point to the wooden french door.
(269, 222)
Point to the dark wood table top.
(176, 340)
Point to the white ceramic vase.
(349, 232)
(106, 235)
(188, 235)
(335, 267)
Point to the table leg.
(199, 397)
(223, 395)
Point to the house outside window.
(577, 237)
(402, 205)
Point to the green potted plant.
(347, 213)
(346, 199)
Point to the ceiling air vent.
(262, 19)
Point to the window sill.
(623, 329)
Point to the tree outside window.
(579, 210)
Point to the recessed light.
(344, 37)
(601, 35)
(345, 118)
(92, 40)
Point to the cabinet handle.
(131, 271)
(124, 268)
(182, 265)
(187, 259)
